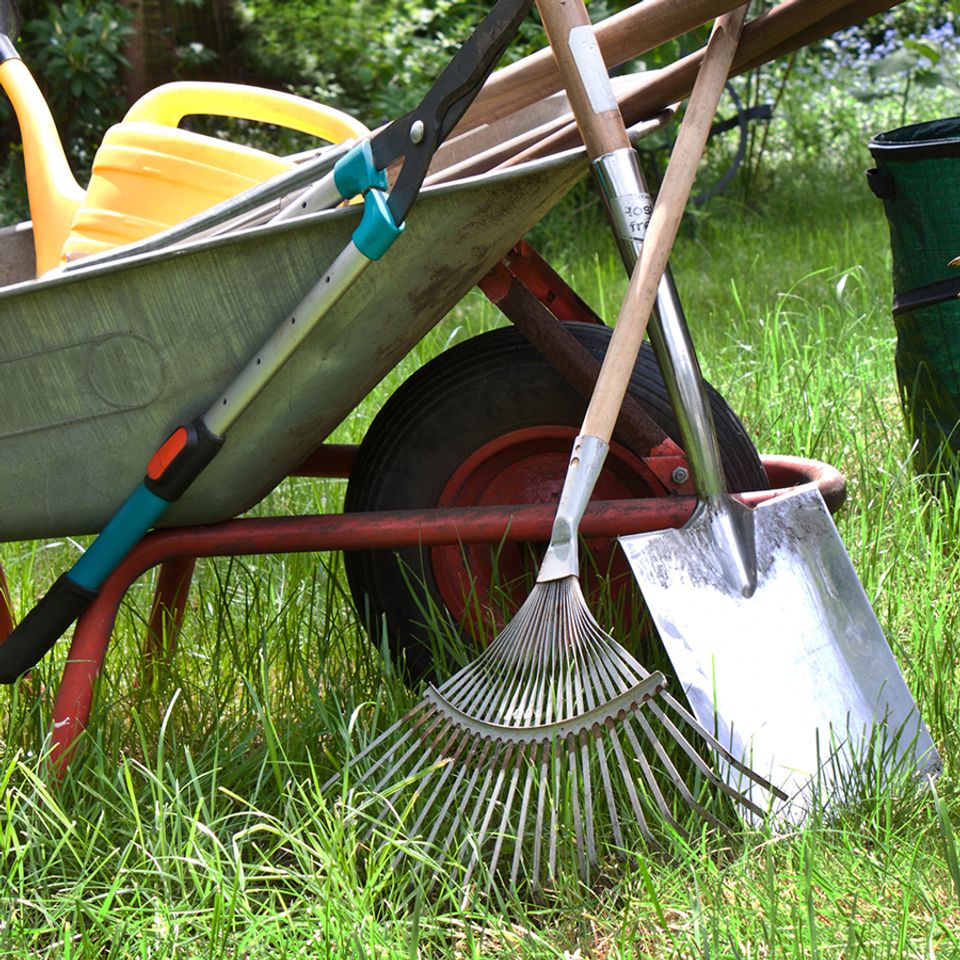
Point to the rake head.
(554, 727)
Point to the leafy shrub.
(75, 51)
(373, 58)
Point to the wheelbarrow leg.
(71, 709)
(166, 614)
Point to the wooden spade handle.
(662, 231)
(584, 75)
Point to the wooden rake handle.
(668, 210)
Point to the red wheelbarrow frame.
(176, 550)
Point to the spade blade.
(796, 678)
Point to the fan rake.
(555, 714)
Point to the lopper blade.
(797, 679)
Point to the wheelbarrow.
(103, 360)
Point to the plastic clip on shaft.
(356, 173)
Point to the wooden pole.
(627, 34)
(638, 301)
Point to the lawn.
(193, 824)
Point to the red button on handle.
(169, 450)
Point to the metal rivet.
(680, 475)
(417, 131)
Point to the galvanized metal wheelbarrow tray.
(99, 363)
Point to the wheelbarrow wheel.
(489, 422)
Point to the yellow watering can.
(148, 174)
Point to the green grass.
(192, 823)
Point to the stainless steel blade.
(796, 678)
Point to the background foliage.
(374, 58)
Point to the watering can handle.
(170, 103)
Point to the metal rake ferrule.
(586, 461)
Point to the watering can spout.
(54, 193)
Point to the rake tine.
(474, 689)
(588, 798)
(391, 731)
(632, 790)
(580, 695)
(484, 750)
(702, 765)
(397, 744)
(475, 813)
(716, 745)
(524, 809)
(459, 782)
(603, 683)
(577, 816)
(388, 803)
(557, 764)
(505, 695)
(608, 791)
(468, 684)
(428, 804)
(650, 778)
(507, 806)
(488, 816)
(416, 745)
(674, 775)
(504, 684)
(501, 657)
(612, 661)
(691, 752)
(524, 694)
(486, 762)
(541, 799)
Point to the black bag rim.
(930, 139)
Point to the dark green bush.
(75, 49)
(373, 58)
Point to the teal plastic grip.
(376, 231)
(355, 172)
(124, 531)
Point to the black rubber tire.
(468, 396)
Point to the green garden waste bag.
(917, 177)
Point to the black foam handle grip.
(40, 629)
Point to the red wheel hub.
(482, 587)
